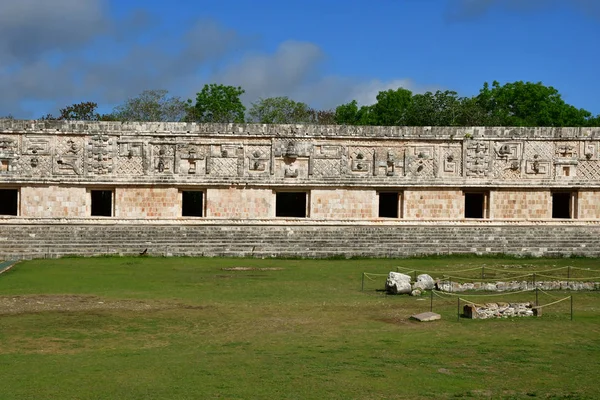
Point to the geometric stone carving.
(477, 159)
(130, 160)
(327, 167)
(588, 151)
(258, 159)
(450, 161)
(68, 156)
(163, 158)
(100, 153)
(225, 160)
(361, 159)
(192, 158)
(420, 161)
(538, 159)
(389, 162)
(8, 154)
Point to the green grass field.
(186, 328)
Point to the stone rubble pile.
(449, 286)
(399, 283)
(500, 310)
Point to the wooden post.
(458, 309)
(431, 301)
(362, 285)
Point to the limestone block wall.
(54, 202)
(147, 202)
(343, 203)
(589, 204)
(521, 204)
(434, 203)
(240, 202)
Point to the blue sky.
(59, 52)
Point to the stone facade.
(111, 172)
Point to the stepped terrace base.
(295, 239)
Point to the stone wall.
(431, 203)
(343, 204)
(521, 204)
(147, 202)
(54, 202)
(240, 202)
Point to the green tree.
(435, 109)
(351, 114)
(279, 110)
(151, 105)
(84, 111)
(321, 117)
(217, 103)
(527, 104)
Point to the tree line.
(519, 103)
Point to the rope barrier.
(366, 275)
(484, 295)
(551, 304)
(548, 294)
(562, 278)
(487, 280)
(440, 272)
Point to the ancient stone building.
(263, 190)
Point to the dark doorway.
(388, 204)
(191, 204)
(290, 204)
(9, 201)
(561, 205)
(102, 203)
(475, 205)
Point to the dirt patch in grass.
(54, 302)
(250, 269)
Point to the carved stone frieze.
(420, 161)
(68, 156)
(9, 154)
(100, 155)
(191, 158)
(477, 158)
(131, 158)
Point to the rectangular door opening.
(475, 205)
(192, 203)
(290, 204)
(562, 205)
(9, 201)
(388, 204)
(102, 203)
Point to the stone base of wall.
(287, 239)
(500, 310)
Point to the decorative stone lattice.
(224, 160)
(508, 160)
(538, 159)
(361, 160)
(420, 161)
(130, 160)
(258, 159)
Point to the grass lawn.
(188, 328)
